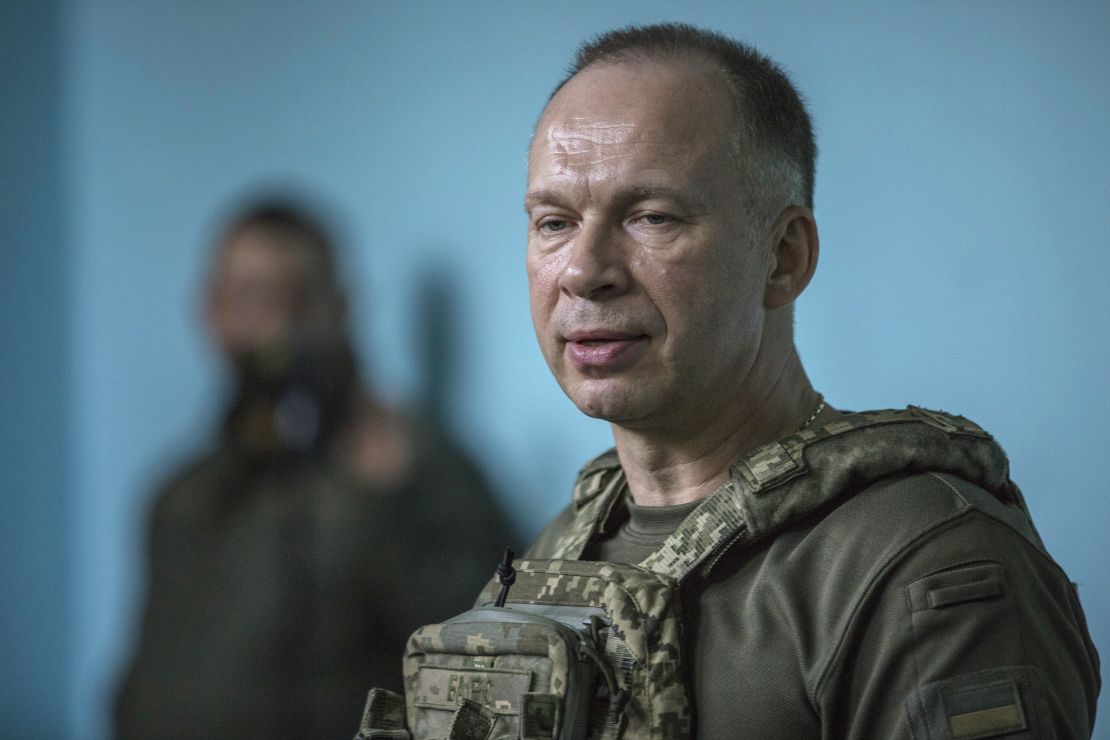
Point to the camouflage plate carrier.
(594, 650)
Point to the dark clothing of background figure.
(280, 589)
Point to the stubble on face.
(637, 239)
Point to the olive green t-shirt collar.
(656, 521)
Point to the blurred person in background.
(288, 564)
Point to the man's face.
(646, 285)
(255, 292)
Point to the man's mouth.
(603, 349)
(600, 336)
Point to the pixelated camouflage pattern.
(768, 489)
(595, 494)
(793, 476)
(498, 688)
(534, 648)
(783, 481)
(644, 639)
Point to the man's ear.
(792, 256)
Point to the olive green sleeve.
(973, 632)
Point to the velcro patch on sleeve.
(984, 711)
(1000, 702)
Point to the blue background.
(962, 199)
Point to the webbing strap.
(743, 507)
(756, 501)
(713, 524)
(602, 489)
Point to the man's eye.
(553, 224)
(655, 219)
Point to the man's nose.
(597, 266)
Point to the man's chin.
(609, 405)
(597, 413)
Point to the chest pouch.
(579, 650)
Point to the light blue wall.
(961, 194)
(35, 567)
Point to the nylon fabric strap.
(594, 495)
(720, 520)
(713, 524)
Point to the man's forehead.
(651, 103)
(578, 133)
(589, 142)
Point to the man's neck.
(665, 470)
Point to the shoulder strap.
(784, 480)
(599, 486)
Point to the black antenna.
(506, 575)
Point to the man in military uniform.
(289, 563)
(670, 196)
